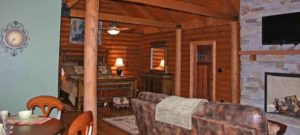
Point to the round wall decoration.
(14, 38)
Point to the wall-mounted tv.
(281, 29)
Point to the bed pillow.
(69, 70)
(104, 70)
(78, 69)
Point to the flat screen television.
(281, 29)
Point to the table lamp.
(119, 64)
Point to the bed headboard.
(77, 57)
(72, 61)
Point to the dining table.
(39, 126)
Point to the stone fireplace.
(252, 73)
(282, 92)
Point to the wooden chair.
(82, 124)
(46, 104)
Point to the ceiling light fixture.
(113, 29)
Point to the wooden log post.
(178, 61)
(90, 59)
(235, 91)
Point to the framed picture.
(77, 31)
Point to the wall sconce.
(162, 64)
(62, 72)
(119, 64)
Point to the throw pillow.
(69, 70)
(273, 128)
(104, 70)
(78, 69)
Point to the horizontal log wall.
(135, 51)
(170, 39)
(123, 45)
(221, 34)
(223, 55)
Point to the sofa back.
(151, 97)
(144, 111)
(230, 119)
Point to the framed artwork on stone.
(77, 31)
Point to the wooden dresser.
(109, 87)
(157, 82)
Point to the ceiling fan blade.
(124, 29)
(104, 28)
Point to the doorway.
(203, 69)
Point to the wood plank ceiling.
(129, 8)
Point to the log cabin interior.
(109, 51)
(134, 44)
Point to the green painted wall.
(34, 71)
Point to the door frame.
(193, 64)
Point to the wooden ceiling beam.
(122, 10)
(147, 14)
(229, 5)
(71, 3)
(184, 7)
(125, 19)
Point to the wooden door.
(204, 74)
(203, 70)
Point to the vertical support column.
(178, 61)
(235, 91)
(90, 59)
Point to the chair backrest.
(46, 104)
(82, 124)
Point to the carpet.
(126, 123)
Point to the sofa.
(211, 119)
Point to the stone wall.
(253, 72)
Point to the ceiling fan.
(114, 29)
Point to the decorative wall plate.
(14, 37)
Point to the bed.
(108, 84)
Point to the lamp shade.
(113, 30)
(119, 62)
(162, 64)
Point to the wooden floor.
(104, 128)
